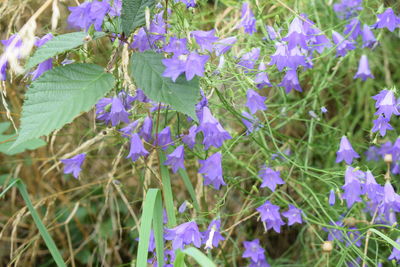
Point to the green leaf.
(133, 14)
(147, 69)
(7, 141)
(58, 45)
(152, 212)
(189, 187)
(167, 191)
(197, 255)
(388, 239)
(59, 95)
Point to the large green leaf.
(147, 69)
(7, 140)
(133, 14)
(59, 95)
(58, 45)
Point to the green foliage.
(7, 140)
(60, 95)
(147, 69)
(133, 14)
(196, 254)
(58, 45)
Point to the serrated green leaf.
(58, 45)
(59, 95)
(133, 14)
(7, 141)
(147, 69)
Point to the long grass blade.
(167, 192)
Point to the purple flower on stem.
(248, 21)
(368, 37)
(211, 168)
(363, 71)
(255, 102)
(146, 130)
(136, 149)
(373, 190)
(347, 8)
(212, 236)
(248, 60)
(270, 178)
(352, 187)
(272, 34)
(176, 46)
(141, 41)
(88, 13)
(222, 46)
(381, 124)
(73, 165)
(262, 78)
(192, 64)
(174, 66)
(205, 39)
(346, 151)
(290, 81)
(118, 112)
(253, 250)
(353, 28)
(332, 198)
(270, 216)
(386, 103)
(164, 138)
(184, 234)
(387, 19)
(176, 159)
(342, 45)
(293, 215)
(188, 3)
(250, 122)
(391, 200)
(116, 7)
(395, 255)
(127, 131)
(280, 57)
(190, 138)
(41, 68)
(214, 134)
(296, 35)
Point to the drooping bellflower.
(176, 159)
(192, 64)
(395, 255)
(146, 130)
(347, 8)
(368, 37)
(212, 236)
(352, 186)
(255, 102)
(248, 21)
(205, 39)
(253, 250)
(128, 130)
(261, 78)
(118, 112)
(270, 216)
(290, 81)
(73, 165)
(211, 168)
(353, 29)
(190, 138)
(164, 139)
(223, 46)
(342, 45)
(248, 60)
(293, 215)
(184, 234)
(346, 151)
(363, 71)
(87, 14)
(386, 103)
(296, 35)
(136, 148)
(270, 178)
(387, 19)
(381, 124)
(332, 198)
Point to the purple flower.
(296, 35)
(347, 8)
(192, 64)
(372, 153)
(391, 200)
(293, 215)
(103, 108)
(176, 159)
(205, 39)
(387, 20)
(324, 110)
(353, 28)
(98, 11)
(190, 138)
(332, 198)
(141, 41)
(12, 46)
(253, 250)
(315, 38)
(280, 57)
(363, 71)
(136, 149)
(214, 134)
(250, 122)
(188, 3)
(116, 8)
(395, 255)
(146, 130)
(176, 46)
(248, 21)
(270, 216)
(164, 138)
(211, 168)
(342, 45)
(386, 103)
(346, 151)
(255, 102)
(222, 46)
(88, 13)
(381, 124)
(249, 59)
(296, 59)
(184, 234)
(174, 66)
(182, 207)
(140, 96)
(73, 165)
(270, 178)
(272, 34)
(41, 68)
(352, 187)
(262, 78)
(290, 81)
(212, 236)
(118, 112)
(373, 190)
(127, 131)
(368, 37)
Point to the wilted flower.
(270, 216)
(293, 215)
(387, 20)
(346, 151)
(136, 149)
(270, 178)
(211, 168)
(73, 165)
(248, 21)
(255, 102)
(184, 234)
(363, 71)
(176, 159)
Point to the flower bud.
(327, 247)
(388, 158)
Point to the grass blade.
(189, 187)
(167, 191)
(198, 256)
(388, 239)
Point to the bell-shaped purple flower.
(192, 64)
(272, 34)
(223, 46)
(184, 234)
(332, 198)
(146, 130)
(261, 78)
(368, 37)
(381, 124)
(250, 122)
(395, 255)
(41, 68)
(352, 187)
(270, 216)
(164, 139)
(136, 149)
(363, 71)
(248, 21)
(296, 35)
(118, 112)
(128, 130)
(391, 200)
(353, 29)
(347, 8)
(270, 178)
(342, 45)
(290, 81)
(73, 165)
(253, 250)
(280, 57)
(248, 60)
(387, 19)
(88, 13)
(386, 103)
(176, 46)
(190, 138)
(373, 190)
(212, 236)
(141, 41)
(293, 215)
(255, 102)
(346, 151)
(103, 108)
(205, 39)
(176, 159)
(211, 168)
